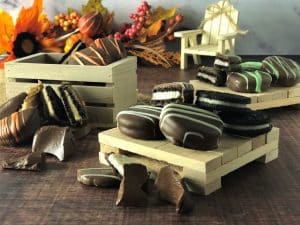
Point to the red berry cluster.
(130, 31)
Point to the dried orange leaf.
(154, 28)
(161, 13)
(94, 6)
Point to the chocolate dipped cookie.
(285, 72)
(19, 127)
(90, 56)
(12, 105)
(249, 82)
(141, 122)
(111, 47)
(53, 108)
(218, 101)
(74, 106)
(228, 63)
(246, 124)
(177, 92)
(212, 75)
(191, 127)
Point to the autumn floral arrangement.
(145, 36)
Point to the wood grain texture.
(256, 194)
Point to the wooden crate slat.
(111, 94)
(21, 68)
(91, 94)
(272, 98)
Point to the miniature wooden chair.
(218, 33)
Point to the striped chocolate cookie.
(191, 127)
(141, 122)
(249, 82)
(285, 72)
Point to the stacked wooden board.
(106, 90)
(203, 169)
(273, 98)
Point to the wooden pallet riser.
(106, 90)
(274, 97)
(203, 169)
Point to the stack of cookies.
(217, 75)
(257, 77)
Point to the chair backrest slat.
(219, 25)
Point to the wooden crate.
(203, 169)
(273, 98)
(106, 90)
(2, 87)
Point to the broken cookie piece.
(134, 176)
(54, 140)
(33, 161)
(100, 177)
(172, 189)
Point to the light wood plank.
(272, 98)
(162, 150)
(259, 141)
(294, 91)
(21, 68)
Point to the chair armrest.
(188, 33)
(231, 35)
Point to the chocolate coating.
(246, 124)
(141, 122)
(12, 105)
(54, 140)
(231, 59)
(104, 177)
(90, 56)
(191, 127)
(172, 189)
(33, 161)
(74, 106)
(285, 72)
(218, 101)
(19, 127)
(249, 82)
(212, 75)
(53, 108)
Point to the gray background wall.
(274, 25)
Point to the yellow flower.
(24, 38)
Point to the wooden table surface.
(256, 194)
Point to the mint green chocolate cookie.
(249, 82)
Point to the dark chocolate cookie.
(12, 105)
(217, 101)
(249, 82)
(212, 75)
(141, 122)
(74, 106)
(177, 92)
(191, 127)
(53, 108)
(246, 124)
(285, 72)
